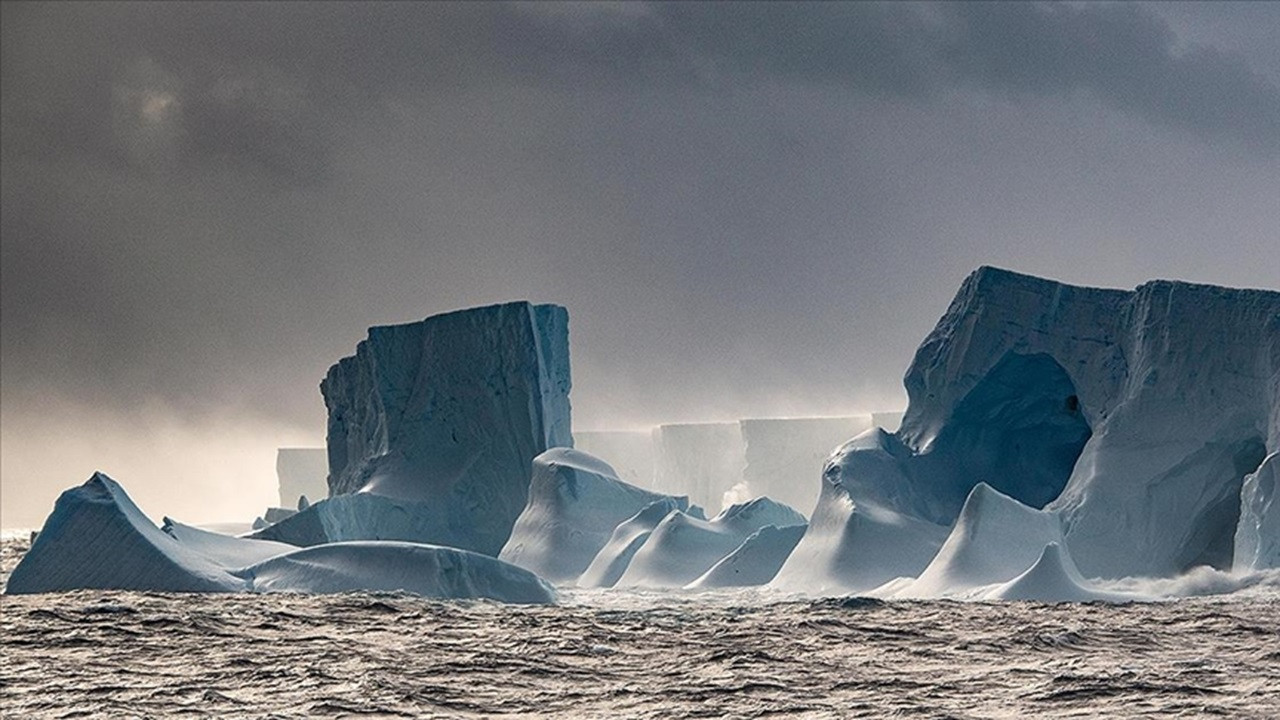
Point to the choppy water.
(112, 654)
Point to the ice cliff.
(783, 455)
(1132, 416)
(448, 413)
(575, 502)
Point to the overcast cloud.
(749, 209)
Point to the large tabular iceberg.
(97, 538)
(302, 472)
(575, 502)
(450, 412)
(701, 460)
(783, 455)
(1132, 415)
(628, 452)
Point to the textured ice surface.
(302, 472)
(1257, 539)
(427, 570)
(755, 561)
(449, 412)
(575, 503)
(97, 537)
(783, 456)
(682, 547)
(628, 452)
(1169, 394)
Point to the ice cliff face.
(1257, 540)
(302, 472)
(1133, 415)
(450, 412)
(701, 460)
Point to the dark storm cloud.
(748, 208)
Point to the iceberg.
(611, 561)
(628, 452)
(995, 539)
(856, 545)
(683, 547)
(575, 502)
(381, 566)
(700, 460)
(1133, 415)
(97, 538)
(1052, 579)
(755, 561)
(1257, 538)
(783, 455)
(448, 413)
(302, 472)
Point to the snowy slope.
(683, 547)
(427, 570)
(613, 558)
(755, 561)
(853, 546)
(97, 538)
(225, 550)
(1257, 539)
(450, 411)
(575, 502)
(1052, 579)
(995, 539)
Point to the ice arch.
(1020, 430)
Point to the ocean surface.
(619, 654)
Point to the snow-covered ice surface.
(625, 654)
(575, 502)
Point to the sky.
(748, 209)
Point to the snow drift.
(611, 561)
(683, 547)
(755, 561)
(575, 502)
